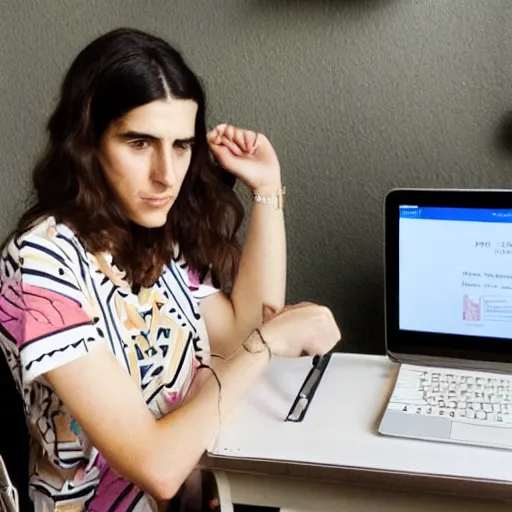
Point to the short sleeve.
(199, 290)
(44, 306)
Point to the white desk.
(314, 465)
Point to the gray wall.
(357, 96)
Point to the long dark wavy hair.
(121, 70)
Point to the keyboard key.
(481, 415)
(468, 396)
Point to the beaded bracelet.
(265, 345)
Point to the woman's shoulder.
(47, 237)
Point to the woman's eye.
(139, 144)
(183, 146)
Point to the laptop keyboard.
(462, 395)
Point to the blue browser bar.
(456, 214)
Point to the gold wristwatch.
(275, 200)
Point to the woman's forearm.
(196, 423)
(261, 279)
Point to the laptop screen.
(449, 272)
(455, 270)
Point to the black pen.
(303, 399)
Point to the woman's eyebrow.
(136, 135)
(129, 135)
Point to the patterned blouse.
(58, 302)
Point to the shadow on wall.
(504, 135)
(354, 4)
(285, 5)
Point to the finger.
(255, 143)
(214, 137)
(214, 141)
(216, 145)
(318, 348)
(311, 352)
(240, 139)
(231, 145)
(251, 139)
(229, 131)
(221, 128)
(300, 305)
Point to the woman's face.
(145, 156)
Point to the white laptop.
(448, 266)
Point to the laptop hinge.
(445, 362)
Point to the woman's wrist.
(271, 196)
(270, 189)
(257, 344)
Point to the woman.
(124, 280)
